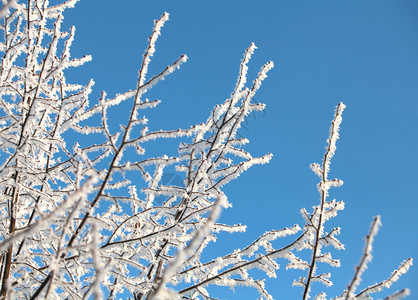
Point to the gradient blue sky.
(364, 53)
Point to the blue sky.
(363, 53)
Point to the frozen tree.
(81, 220)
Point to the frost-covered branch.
(403, 269)
(95, 217)
(366, 258)
(6, 6)
(315, 237)
(182, 254)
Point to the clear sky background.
(363, 53)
